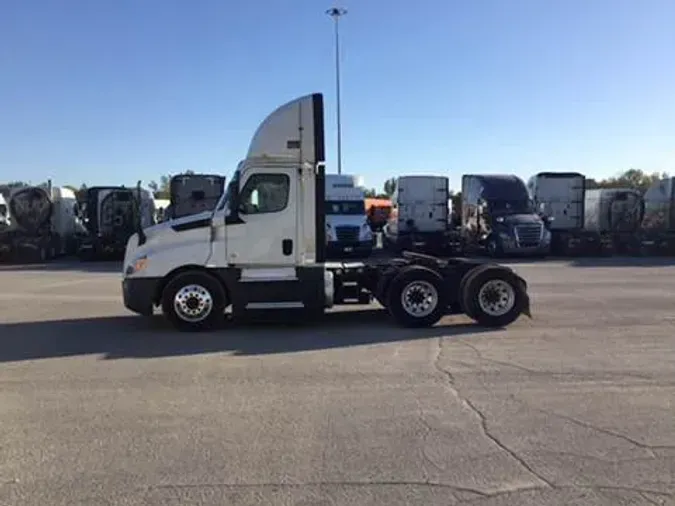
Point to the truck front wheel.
(493, 296)
(416, 297)
(193, 301)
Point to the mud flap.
(526, 305)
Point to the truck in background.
(419, 220)
(193, 194)
(559, 197)
(40, 223)
(110, 215)
(161, 206)
(347, 229)
(4, 212)
(658, 222)
(378, 211)
(498, 216)
(615, 214)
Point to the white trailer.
(419, 220)
(263, 248)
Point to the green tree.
(631, 178)
(389, 186)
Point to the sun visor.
(294, 130)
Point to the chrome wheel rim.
(419, 298)
(193, 303)
(496, 297)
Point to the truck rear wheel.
(416, 297)
(193, 301)
(493, 296)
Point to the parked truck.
(377, 211)
(658, 222)
(263, 249)
(419, 220)
(347, 229)
(193, 194)
(498, 216)
(560, 199)
(40, 223)
(110, 215)
(615, 214)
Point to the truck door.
(268, 234)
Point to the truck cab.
(348, 232)
(263, 248)
(499, 216)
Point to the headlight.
(499, 219)
(137, 265)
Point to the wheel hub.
(496, 297)
(419, 298)
(193, 303)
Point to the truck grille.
(347, 234)
(529, 236)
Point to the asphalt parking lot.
(576, 406)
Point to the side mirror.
(234, 206)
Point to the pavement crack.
(648, 448)
(482, 418)
(553, 374)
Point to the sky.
(113, 91)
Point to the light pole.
(336, 13)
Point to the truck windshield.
(511, 206)
(3, 210)
(341, 207)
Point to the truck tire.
(493, 296)
(194, 301)
(462, 286)
(416, 297)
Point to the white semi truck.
(347, 230)
(263, 248)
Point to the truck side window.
(265, 193)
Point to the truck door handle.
(287, 247)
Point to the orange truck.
(377, 211)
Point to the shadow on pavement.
(622, 261)
(65, 266)
(137, 337)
